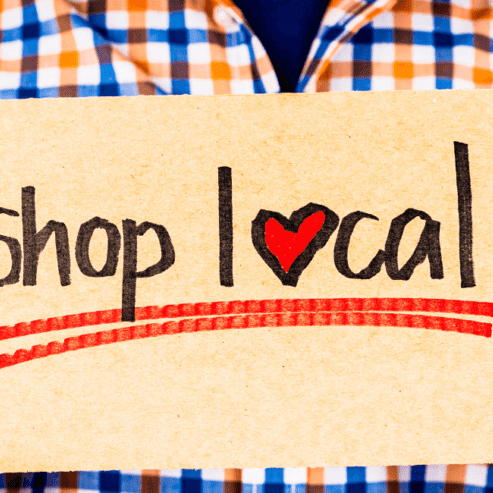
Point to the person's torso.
(57, 48)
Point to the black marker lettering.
(82, 248)
(9, 212)
(428, 246)
(464, 195)
(342, 246)
(130, 274)
(35, 242)
(225, 226)
(15, 253)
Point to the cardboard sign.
(299, 280)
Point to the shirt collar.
(342, 19)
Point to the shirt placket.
(343, 19)
(253, 60)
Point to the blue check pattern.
(83, 48)
(409, 479)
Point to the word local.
(287, 246)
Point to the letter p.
(130, 273)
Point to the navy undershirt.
(287, 29)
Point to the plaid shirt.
(404, 479)
(70, 48)
(56, 48)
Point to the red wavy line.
(245, 322)
(425, 305)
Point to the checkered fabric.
(408, 479)
(80, 48)
(56, 48)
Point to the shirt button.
(223, 17)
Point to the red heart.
(288, 246)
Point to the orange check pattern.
(82, 48)
(60, 48)
(403, 479)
